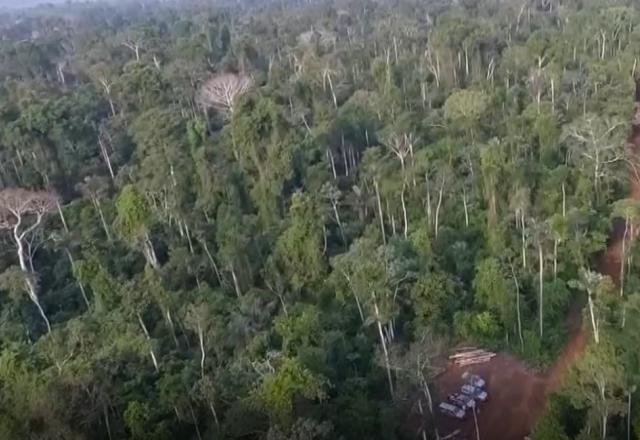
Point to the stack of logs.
(470, 356)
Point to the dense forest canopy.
(272, 220)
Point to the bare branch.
(222, 91)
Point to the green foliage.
(299, 328)
(395, 176)
(132, 213)
(298, 250)
(493, 291)
(549, 426)
(277, 391)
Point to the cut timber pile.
(470, 356)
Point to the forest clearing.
(519, 393)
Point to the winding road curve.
(518, 393)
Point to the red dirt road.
(517, 393)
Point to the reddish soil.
(517, 393)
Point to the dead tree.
(134, 47)
(222, 91)
(401, 146)
(22, 212)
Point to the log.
(477, 360)
(467, 354)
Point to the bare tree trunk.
(105, 155)
(564, 201)
(195, 422)
(202, 352)
(29, 283)
(426, 176)
(172, 327)
(380, 214)
(149, 252)
(215, 415)
(384, 345)
(188, 235)
(236, 284)
(515, 280)
(62, 219)
(541, 282)
(466, 207)
(34, 298)
(98, 206)
(146, 334)
(524, 241)
(80, 285)
(106, 421)
(594, 321)
(212, 261)
(404, 213)
(332, 162)
(333, 94)
(438, 207)
(337, 214)
(555, 258)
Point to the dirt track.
(518, 394)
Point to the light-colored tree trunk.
(466, 207)
(195, 422)
(334, 205)
(383, 342)
(214, 266)
(333, 93)
(437, 216)
(595, 325)
(215, 415)
(332, 162)
(202, 352)
(541, 291)
(30, 286)
(148, 337)
(518, 317)
(380, 213)
(105, 152)
(62, 218)
(80, 284)
(555, 258)
(236, 283)
(105, 227)
(172, 327)
(428, 203)
(404, 213)
(564, 201)
(149, 252)
(524, 240)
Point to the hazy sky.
(27, 3)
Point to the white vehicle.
(451, 410)
(476, 393)
(474, 380)
(462, 400)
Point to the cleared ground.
(517, 393)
